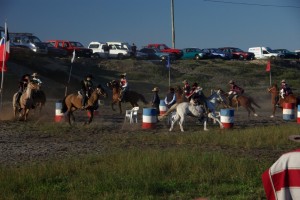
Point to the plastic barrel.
(96, 113)
(298, 114)
(162, 107)
(227, 117)
(288, 111)
(149, 118)
(59, 115)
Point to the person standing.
(155, 99)
(133, 50)
(170, 99)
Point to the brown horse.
(26, 101)
(242, 100)
(274, 90)
(130, 96)
(72, 102)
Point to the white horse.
(192, 109)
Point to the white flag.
(73, 58)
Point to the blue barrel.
(288, 111)
(227, 117)
(59, 115)
(162, 107)
(149, 118)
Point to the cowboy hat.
(283, 81)
(89, 76)
(124, 74)
(185, 81)
(34, 74)
(295, 138)
(155, 89)
(231, 82)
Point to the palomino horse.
(275, 98)
(26, 101)
(72, 102)
(244, 101)
(130, 96)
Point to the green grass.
(218, 165)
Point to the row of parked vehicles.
(121, 50)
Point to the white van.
(100, 49)
(264, 52)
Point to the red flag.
(268, 68)
(4, 50)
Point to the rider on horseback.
(234, 90)
(36, 78)
(124, 86)
(22, 86)
(86, 89)
(284, 91)
(186, 88)
(199, 98)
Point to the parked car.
(164, 48)
(287, 54)
(70, 46)
(30, 41)
(193, 53)
(20, 49)
(100, 50)
(217, 53)
(119, 50)
(56, 52)
(141, 56)
(264, 53)
(156, 54)
(238, 54)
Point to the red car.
(238, 53)
(70, 46)
(164, 48)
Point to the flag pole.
(69, 79)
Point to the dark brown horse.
(244, 101)
(274, 90)
(72, 102)
(130, 96)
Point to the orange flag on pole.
(268, 68)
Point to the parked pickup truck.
(70, 46)
(164, 48)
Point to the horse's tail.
(160, 118)
(64, 107)
(142, 98)
(254, 103)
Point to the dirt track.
(33, 142)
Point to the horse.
(72, 102)
(242, 100)
(274, 90)
(187, 108)
(39, 100)
(130, 96)
(26, 101)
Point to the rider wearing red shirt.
(234, 90)
(124, 86)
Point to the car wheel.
(96, 56)
(197, 57)
(120, 56)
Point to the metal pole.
(173, 26)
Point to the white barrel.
(288, 111)
(227, 117)
(149, 118)
(59, 115)
(162, 107)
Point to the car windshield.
(270, 50)
(76, 44)
(237, 50)
(33, 39)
